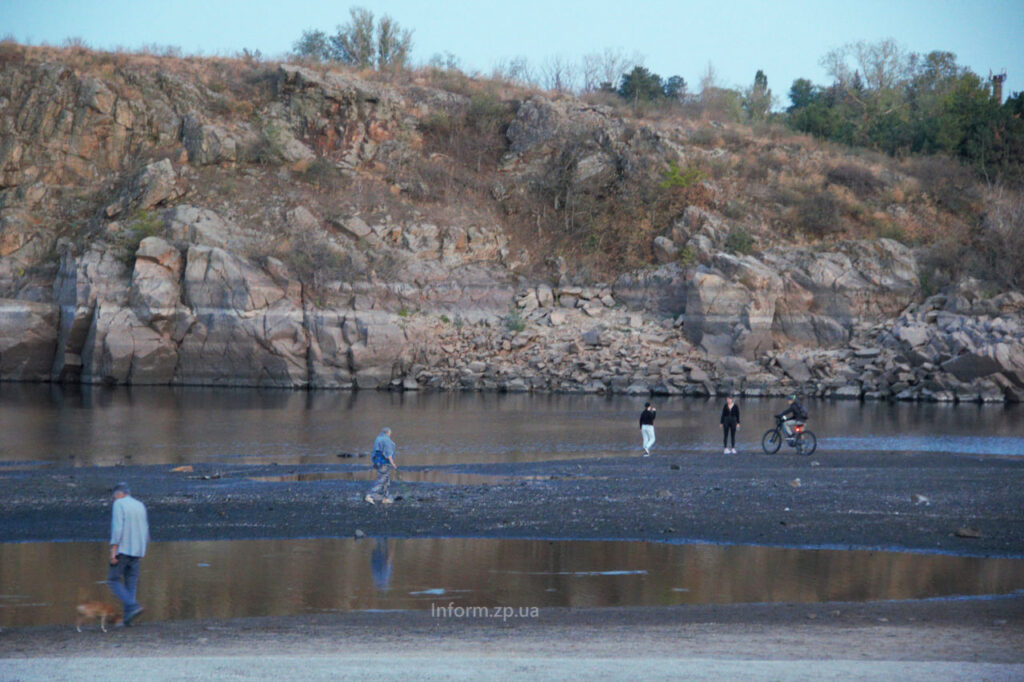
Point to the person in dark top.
(647, 427)
(796, 412)
(730, 421)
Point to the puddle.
(414, 476)
(402, 475)
(42, 582)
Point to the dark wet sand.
(918, 501)
(849, 499)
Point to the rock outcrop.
(140, 244)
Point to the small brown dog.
(97, 609)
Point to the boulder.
(28, 339)
(247, 330)
(154, 184)
(203, 227)
(665, 250)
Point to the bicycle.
(803, 439)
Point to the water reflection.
(380, 564)
(42, 582)
(95, 425)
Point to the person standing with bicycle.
(730, 422)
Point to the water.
(42, 582)
(42, 424)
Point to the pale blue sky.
(785, 38)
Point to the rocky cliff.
(157, 228)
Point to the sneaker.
(132, 615)
(647, 453)
(387, 500)
(369, 498)
(725, 452)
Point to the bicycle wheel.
(771, 441)
(806, 443)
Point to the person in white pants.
(647, 427)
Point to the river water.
(41, 424)
(52, 426)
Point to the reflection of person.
(129, 533)
(730, 421)
(380, 564)
(796, 412)
(647, 427)
(384, 463)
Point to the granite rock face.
(273, 280)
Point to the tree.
(360, 43)
(717, 102)
(675, 88)
(640, 84)
(558, 74)
(757, 99)
(354, 43)
(313, 45)
(393, 44)
(801, 94)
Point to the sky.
(784, 38)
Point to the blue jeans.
(123, 579)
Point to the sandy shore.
(949, 639)
(915, 501)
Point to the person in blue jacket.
(384, 463)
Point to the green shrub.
(141, 225)
(739, 241)
(819, 214)
(858, 179)
(686, 256)
(514, 322)
(321, 173)
(676, 177)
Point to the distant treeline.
(903, 103)
(880, 97)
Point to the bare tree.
(515, 70)
(590, 72)
(558, 74)
(607, 67)
(869, 73)
(881, 65)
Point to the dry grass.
(772, 183)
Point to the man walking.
(384, 463)
(129, 534)
(647, 427)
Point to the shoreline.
(965, 639)
(920, 502)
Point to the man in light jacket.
(384, 463)
(129, 534)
